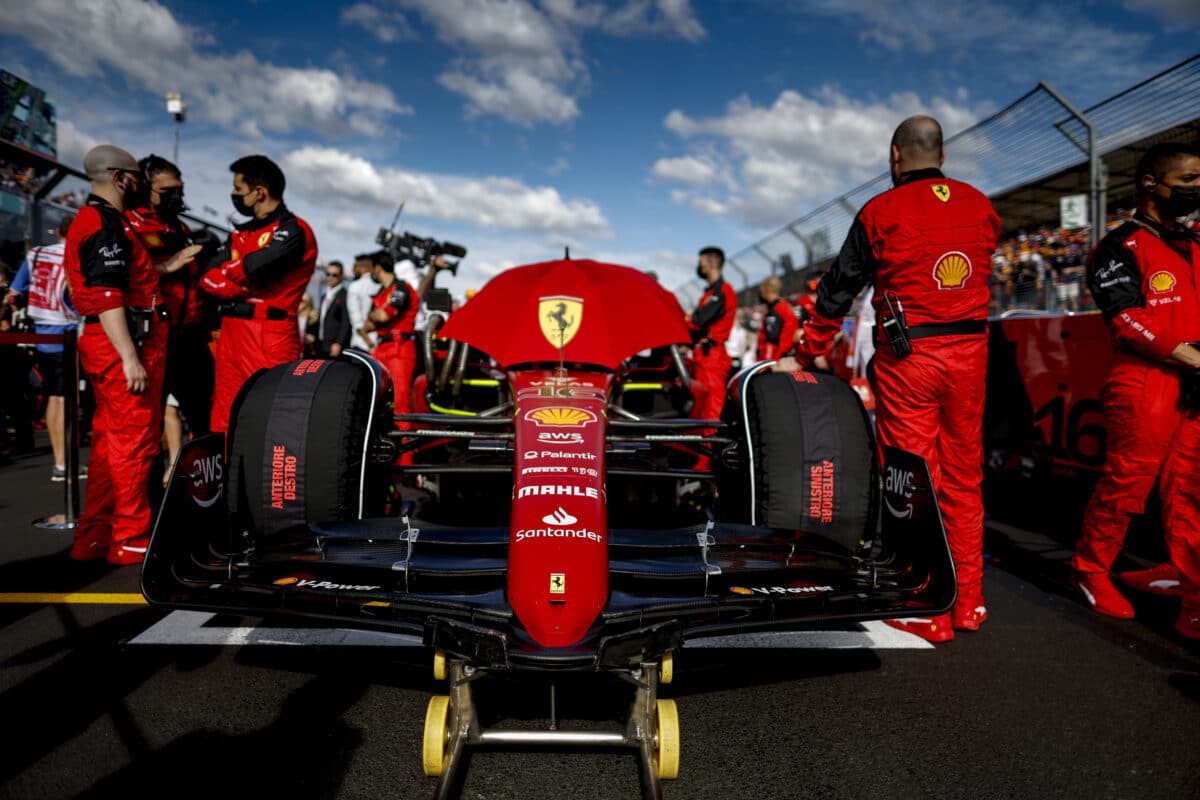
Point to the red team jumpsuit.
(929, 241)
(107, 267)
(397, 347)
(189, 372)
(778, 329)
(711, 324)
(1145, 281)
(269, 266)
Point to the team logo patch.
(560, 317)
(558, 583)
(941, 191)
(152, 240)
(561, 417)
(262, 240)
(952, 270)
(233, 255)
(1162, 282)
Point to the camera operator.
(1142, 276)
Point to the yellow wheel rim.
(437, 735)
(666, 670)
(439, 665)
(666, 732)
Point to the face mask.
(170, 202)
(700, 273)
(1182, 201)
(240, 205)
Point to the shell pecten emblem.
(952, 270)
(560, 317)
(561, 417)
(1162, 282)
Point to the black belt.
(964, 327)
(251, 311)
(94, 319)
(391, 337)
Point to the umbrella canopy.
(599, 313)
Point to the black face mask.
(240, 205)
(700, 273)
(1183, 201)
(170, 202)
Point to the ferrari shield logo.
(942, 191)
(152, 240)
(262, 240)
(558, 583)
(560, 317)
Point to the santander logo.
(559, 517)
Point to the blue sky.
(634, 131)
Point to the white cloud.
(487, 202)
(143, 42)
(524, 63)
(798, 150)
(686, 169)
(386, 25)
(1072, 48)
(73, 143)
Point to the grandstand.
(1025, 158)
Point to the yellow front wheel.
(666, 670)
(439, 665)
(666, 740)
(437, 735)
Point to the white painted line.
(190, 628)
(877, 636)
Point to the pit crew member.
(1144, 276)
(393, 320)
(710, 325)
(927, 246)
(779, 323)
(188, 383)
(115, 287)
(267, 264)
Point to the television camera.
(419, 249)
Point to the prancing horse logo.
(560, 317)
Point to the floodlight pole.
(1097, 173)
(177, 108)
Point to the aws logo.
(952, 270)
(1162, 282)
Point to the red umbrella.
(599, 313)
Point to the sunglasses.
(333, 274)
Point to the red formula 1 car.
(551, 515)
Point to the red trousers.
(712, 370)
(1147, 433)
(126, 432)
(400, 358)
(931, 404)
(245, 347)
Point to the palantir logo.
(560, 517)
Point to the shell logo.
(561, 417)
(1162, 282)
(288, 581)
(740, 590)
(952, 270)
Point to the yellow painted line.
(94, 598)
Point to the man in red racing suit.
(927, 244)
(190, 368)
(711, 324)
(393, 318)
(779, 323)
(268, 262)
(114, 287)
(1144, 276)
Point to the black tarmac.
(1047, 701)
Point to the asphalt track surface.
(115, 699)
